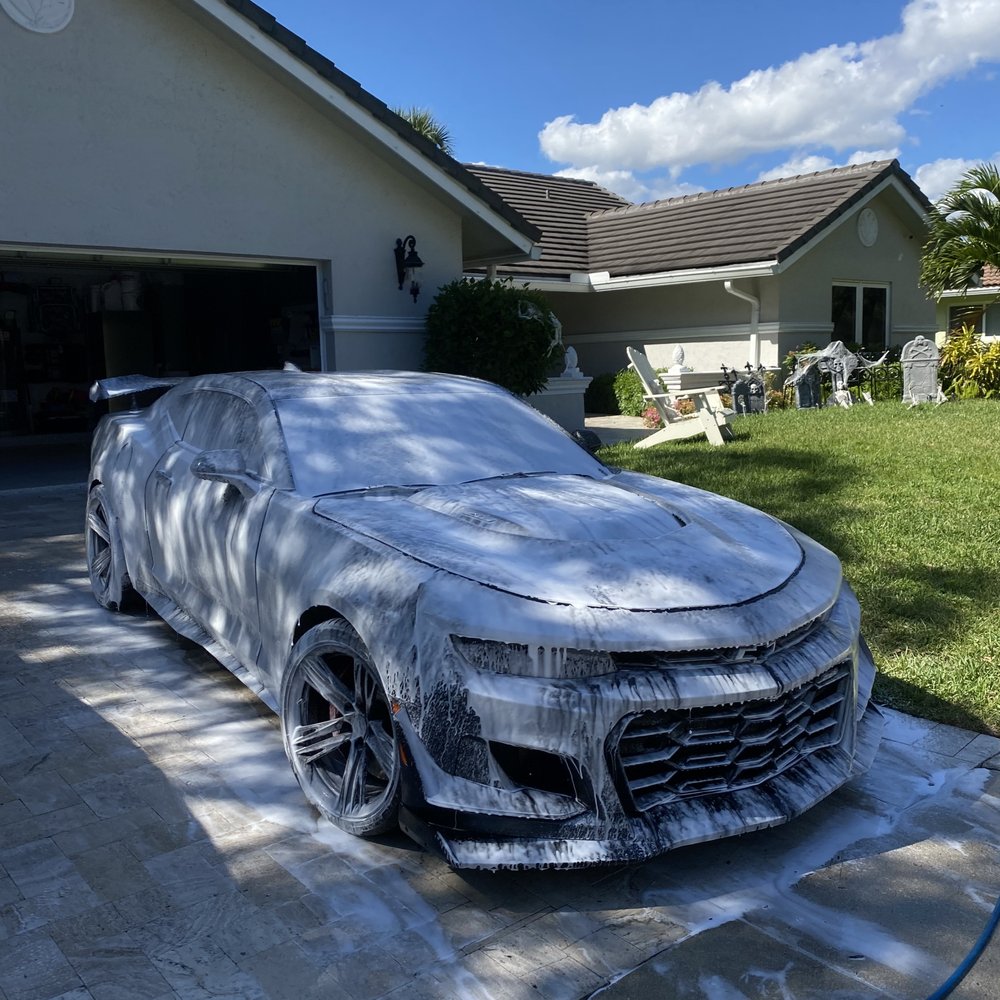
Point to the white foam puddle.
(716, 988)
(761, 881)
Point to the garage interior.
(65, 323)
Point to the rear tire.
(105, 559)
(339, 732)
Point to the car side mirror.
(226, 466)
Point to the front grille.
(661, 757)
(729, 654)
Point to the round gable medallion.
(867, 227)
(45, 16)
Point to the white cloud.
(811, 163)
(934, 179)
(838, 97)
(625, 183)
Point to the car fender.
(304, 562)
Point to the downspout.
(754, 320)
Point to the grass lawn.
(910, 501)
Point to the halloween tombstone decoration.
(920, 360)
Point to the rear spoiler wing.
(128, 385)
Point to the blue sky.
(654, 99)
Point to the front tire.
(105, 559)
(338, 730)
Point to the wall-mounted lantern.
(407, 262)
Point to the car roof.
(295, 384)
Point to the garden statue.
(678, 367)
(571, 369)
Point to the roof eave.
(601, 281)
(986, 291)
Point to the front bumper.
(695, 821)
(457, 802)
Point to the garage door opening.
(64, 324)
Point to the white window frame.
(859, 287)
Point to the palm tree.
(964, 232)
(428, 126)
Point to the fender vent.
(661, 757)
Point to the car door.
(204, 533)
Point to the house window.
(966, 315)
(860, 315)
(982, 317)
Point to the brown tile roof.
(991, 276)
(766, 221)
(586, 228)
(559, 206)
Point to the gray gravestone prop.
(741, 397)
(749, 395)
(920, 359)
(807, 390)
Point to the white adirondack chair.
(710, 417)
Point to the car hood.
(608, 543)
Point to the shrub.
(494, 331)
(651, 417)
(776, 399)
(969, 367)
(600, 395)
(629, 392)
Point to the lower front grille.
(661, 757)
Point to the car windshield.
(352, 442)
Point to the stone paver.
(154, 845)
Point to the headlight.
(531, 661)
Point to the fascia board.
(975, 291)
(601, 281)
(358, 116)
(554, 285)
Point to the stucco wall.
(894, 259)
(711, 324)
(136, 127)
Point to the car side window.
(176, 404)
(219, 420)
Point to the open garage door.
(65, 323)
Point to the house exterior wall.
(805, 289)
(136, 127)
(710, 324)
(713, 326)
